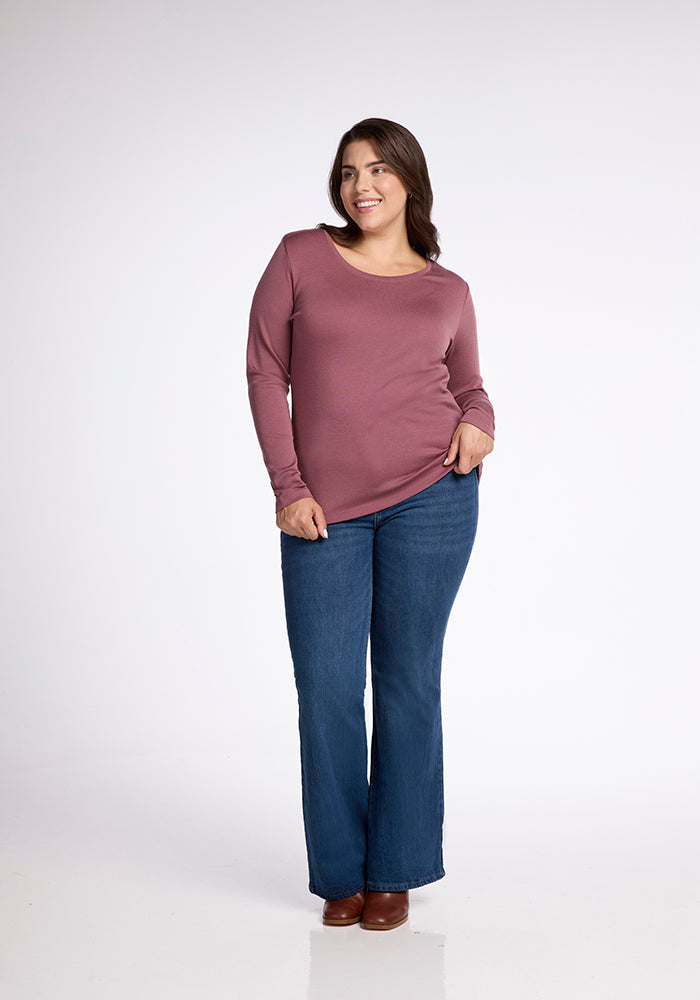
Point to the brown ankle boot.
(341, 912)
(385, 910)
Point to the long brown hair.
(399, 149)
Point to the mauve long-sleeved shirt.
(381, 368)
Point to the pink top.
(382, 369)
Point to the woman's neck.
(386, 250)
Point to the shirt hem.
(397, 496)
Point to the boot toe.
(383, 911)
(341, 912)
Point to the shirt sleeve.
(268, 370)
(465, 382)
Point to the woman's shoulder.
(447, 274)
(302, 248)
(450, 279)
(304, 239)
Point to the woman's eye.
(379, 170)
(347, 176)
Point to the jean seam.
(341, 894)
(404, 886)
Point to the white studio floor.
(154, 876)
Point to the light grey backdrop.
(153, 155)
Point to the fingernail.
(324, 533)
(446, 462)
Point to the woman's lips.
(367, 205)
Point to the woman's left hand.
(469, 445)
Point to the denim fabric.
(390, 577)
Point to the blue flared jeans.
(390, 577)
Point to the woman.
(376, 480)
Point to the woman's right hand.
(303, 519)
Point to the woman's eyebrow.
(374, 163)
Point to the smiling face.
(373, 195)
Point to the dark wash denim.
(391, 577)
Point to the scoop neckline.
(369, 274)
